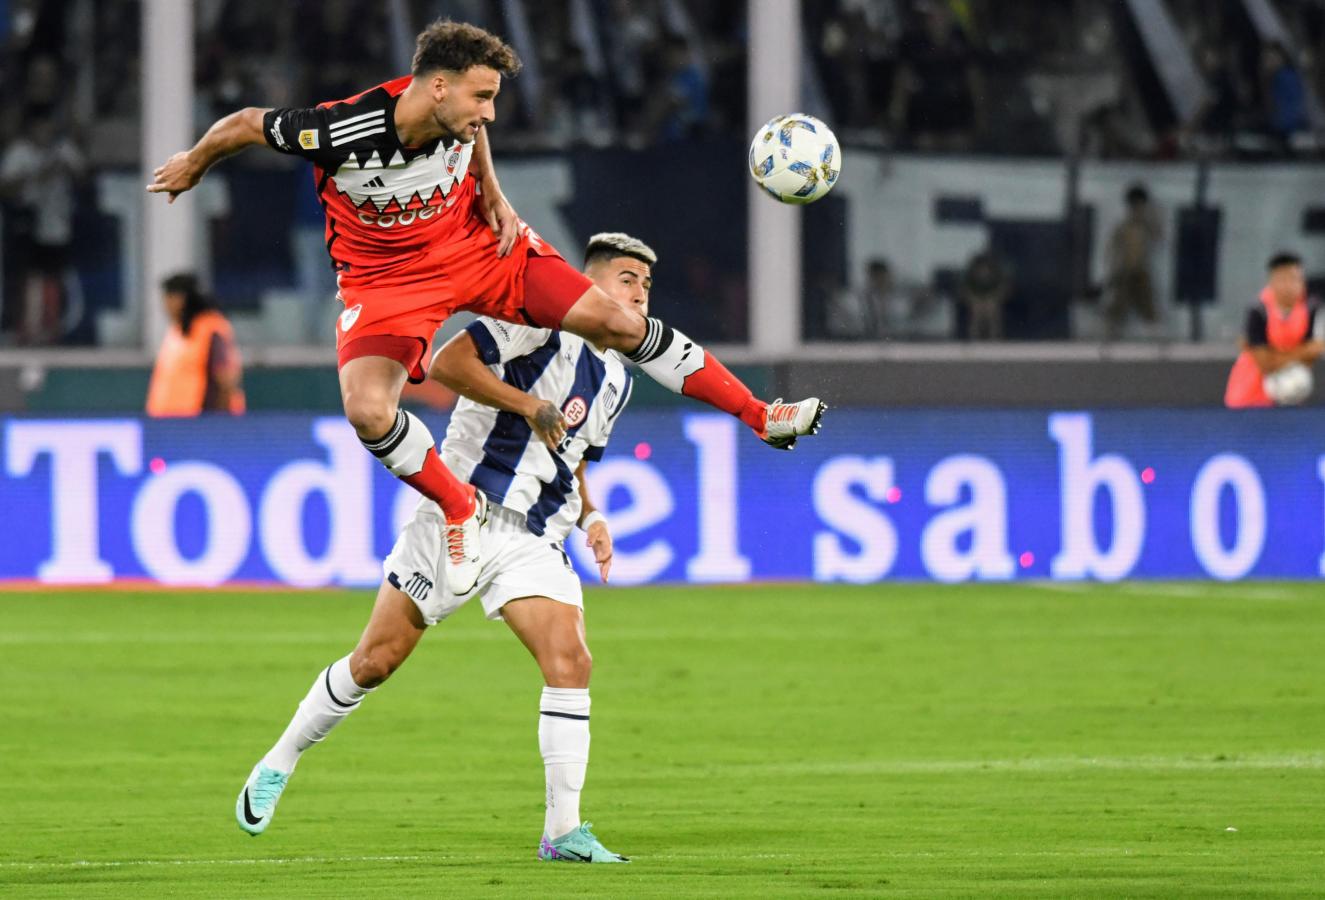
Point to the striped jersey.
(385, 203)
(499, 453)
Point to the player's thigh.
(392, 633)
(598, 318)
(553, 632)
(552, 288)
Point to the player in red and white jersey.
(418, 228)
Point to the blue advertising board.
(693, 497)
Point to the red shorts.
(394, 313)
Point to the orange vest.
(180, 377)
(1245, 387)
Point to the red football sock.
(436, 482)
(715, 385)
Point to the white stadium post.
(169, 230)
(774, 235)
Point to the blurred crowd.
(1068, 77)
(931, 76)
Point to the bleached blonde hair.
(607, 245)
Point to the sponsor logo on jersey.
(575, 410)
(390, 220)
(276, 133)
(308, 139)
(350, 316)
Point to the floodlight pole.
(169, 230)
(774, 230)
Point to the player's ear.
(439, 85)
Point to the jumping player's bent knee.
(370, 413)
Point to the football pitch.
(1135, 740)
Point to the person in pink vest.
(1283, 337)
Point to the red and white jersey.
(385, 203)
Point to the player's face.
(465, 101)
(1288, 283)
(626, 280)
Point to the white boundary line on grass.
(1033, 764)
(270, 861)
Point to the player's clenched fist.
(176, 176)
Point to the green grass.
(781, 740)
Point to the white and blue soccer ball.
(1290, 385)
(795, 158)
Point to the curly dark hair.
(458, 46)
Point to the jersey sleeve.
(598, 442)
(500, 342)
(1256, 331)
(299, 132)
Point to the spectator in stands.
(1284, 335)
(579, 100)
(38, 174)
(1218, 117)
(681, 108)
(1131, 247)
(936, 93)
(985, 286)
(198, 368)
(1285, 94)
(860, 62)
(882, 309)
(856, 315)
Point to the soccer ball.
(1290, 385)
(795, 158)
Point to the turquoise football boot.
(579, 845)
(256, 803)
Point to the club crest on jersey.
(452, 159)
(308, 139)
(350, 316)
(575, 410)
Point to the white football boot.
(784, 422)
(461, 545)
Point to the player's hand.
(549, 424)
(175, 177)
(501, 218)
(601, 541)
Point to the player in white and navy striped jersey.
(536, 406)
(499, 452)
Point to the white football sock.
(563, 738)
(667, 355)
(404, 448)
(333, 696)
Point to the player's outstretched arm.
(459, 367)
(226, 137)
(594, 525)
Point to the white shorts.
(516, 564)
